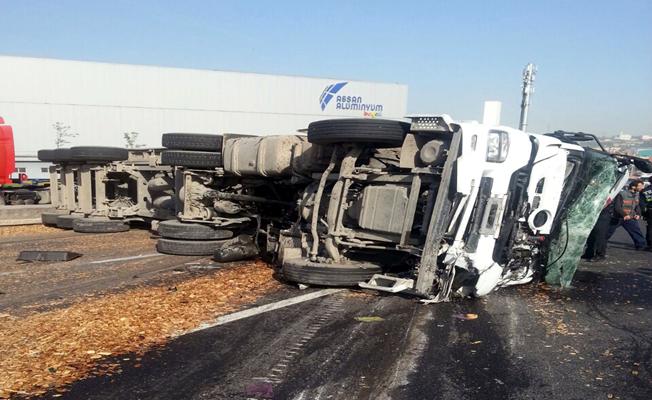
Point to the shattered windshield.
(579, 216)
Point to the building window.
(21, 170)
(44, 170)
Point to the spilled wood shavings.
(47, 351)
(553, 313)
(27, 230)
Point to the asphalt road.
(592, 341)
(109, 262)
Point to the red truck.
(22, 190)
(7, 155)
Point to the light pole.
(529, 72)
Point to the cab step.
(386, 283)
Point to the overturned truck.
(432, 207)
(444, 207)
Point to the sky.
(594, 58)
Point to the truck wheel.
(61, 155)
(66, 221)
(191, 247)
(192, 141)
(173, 229)
(55, 155)
(45, 155)
(97, 153)
(50, 218)
(99, 225)
(301, 270)
(192, 159)
(379, 132)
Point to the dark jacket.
(646, 201)
(626, 203)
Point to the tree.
(130, 140)
(62, 134)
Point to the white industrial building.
(101, 101)
(31, 166)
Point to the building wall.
(101, 101)
(31, 166)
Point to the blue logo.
(348, 102)
(329, 92)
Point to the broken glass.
(581, 215)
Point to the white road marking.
(225, 319)
(127, 258)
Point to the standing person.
(596, 244)
(646, 208)
(627, 213)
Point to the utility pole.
(529, 72)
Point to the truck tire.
(192, 141)
(98, 153)
(45, 155)
(191, 159)
(66, 221)
(54, 155)
(301, 270)
(61, 155)
(192, 247)
(50, 218)
(378, 132)
(173, 229)
(99, 225)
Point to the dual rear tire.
(195, 239)
(82, 224)
(51, 218)
(192, 150)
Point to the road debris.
(47, 255)
(369, 319)
(466, 317)
(262, 390)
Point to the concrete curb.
(23, 215)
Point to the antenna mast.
(529, 72)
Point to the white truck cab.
(487, 170)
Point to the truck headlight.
(497, 146)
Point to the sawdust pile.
(49, 350)
(26, 230)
